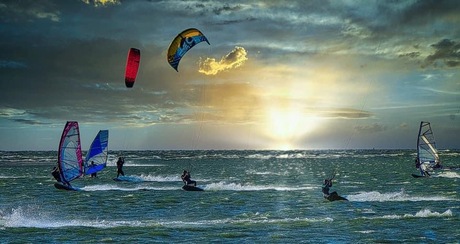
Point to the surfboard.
(335, 197)
(64, 187)
(191, 188)
(417, 176)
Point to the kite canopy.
(182, 43)
(132, 66)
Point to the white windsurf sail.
(96, 158)
(426, 146)
(70, 161)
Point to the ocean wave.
(252, 220)
(240, 187)
(375, 196)
(108, 187)
(448, 174)
(35, 217)
(424, 213)
(254, 172)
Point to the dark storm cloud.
(11, 64)
(30, 122)
(410, 55)
(447, 51)
(427, 11)
(28, 10)
(57, 81)
(71, 70)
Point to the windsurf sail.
(70, 162)
(96, 158)
(426, 146)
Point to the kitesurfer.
(55, 173)
(120, 163)
(186, 178)
(325, 188)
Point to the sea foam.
(375, 196)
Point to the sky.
(277, 75)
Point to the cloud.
(447, 51)
(28, 10)
(98, 3)
(11, 64)
(234, 59)
(369, 129)
(346, 113)
(404, 126)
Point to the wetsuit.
(55, 174)
(186, 179)
(120, 163)
(327, 184)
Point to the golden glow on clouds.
(234, 59)
(282, 104)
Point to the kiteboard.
(128, 179)
(120, 179)
(64, 187)
(335, 197)
(191, 188)
(417, 176)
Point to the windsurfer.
(424, 169)
(120, 163)
(186, 178)
(93, 175)
(417, 163)
(437, 165)
(55, 174)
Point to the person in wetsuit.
(186, 178)
(325, 188)
(55, 173)
(93, 175)
(424, 169)
(120, 163)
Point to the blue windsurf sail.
(96, 158)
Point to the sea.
(249, 197)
